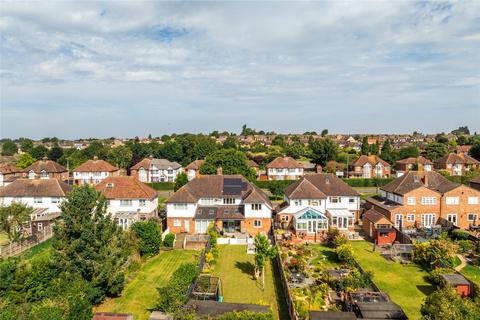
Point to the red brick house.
(419, 199)
(457, 164)
(8, 173)
(369, 167)
(378, 227)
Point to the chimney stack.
(219, 171)
(425, 179)
(319, 168)
(95, 158)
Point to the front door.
(428, 220)
(312, 226)
(399, 220)
(187, 226)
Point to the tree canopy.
(230, 160)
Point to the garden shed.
(378, 227)
(459, 283)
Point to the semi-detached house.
(316, 203)
(156, 170)
(420, 199)
(46, 169)
(43, 195)
(94, 171)
(128, 200)
(231, 202)
(284, 168)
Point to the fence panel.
(13, 249)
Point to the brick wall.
(463, 208)
(181, 228)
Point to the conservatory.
(341, 219)
(310, 220)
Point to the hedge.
(173, 295)
(162, 186)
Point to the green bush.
(149, 235)
(168, 240)
(345, 253)
(173, 295)
(465, 246)
(458, 234)
(162, 186)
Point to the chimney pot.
(319, 168)
(44, 158)
(95, 158)
(220, 171)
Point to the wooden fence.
(288, 297)
(15, 248)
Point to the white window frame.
(452, 215)
(142, 202)
(297, 203)
(334, 199)
(228, 201)
(37, 200)
(39, 226)
(257, 223)
(472, 200)
(180, 206)
(177, 222)
(475, 217)
(410, 217)
(452, 200)
(411, 201)
(429, 201)
(125, 202)
(256, 206)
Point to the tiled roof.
(373, 215)
(252, 164)
(162, 164)
(7, 168)
(413, 180)
(413, 160)
(48, 166)
(284, 162)
(125, 188)
(35, 188)
(372, 160)
(453, 158)
(195, 165)
(96, 165)
(319, 185)
(214, 186)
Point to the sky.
(124, 69)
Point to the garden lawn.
(43, 248)
(407, 285)
(471, 272)
(140, 294)
(236, 270)
(3, 238)
(326, 257)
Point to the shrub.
(245, 315)
(173, 294)
(465, 246)
(168, 240)
(435, 274)
(150, 237)
(345, 253)
(331, 236)
(340, 240)
(162, 186)
(458, 234)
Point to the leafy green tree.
(375, 148)
(230, 143)
(386, 152)
(230, 160)
(25, 160)
(96, 148)
(39, 152)
(365, 146)
(55, 153)
(149, 234)
(181, 180)
(203, 147)
(12, 218)
(441, 138)
(445, 303)
(435, 150)
(26, 145)
(324, 132)
(475, 151)
(9, 148)
(278, 141)
(295, 150)
(323, 150)
(408, 152)
(120, 156)
(264, 251)
(461, 131)
(462, 140)
(89, 243)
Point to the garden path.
(462, 264)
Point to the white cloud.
(259, 61)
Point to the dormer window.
(211, 212)
(256, 206)
(43, 174)
(109, 185)
(31, 174)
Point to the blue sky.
(101, 69)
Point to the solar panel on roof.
(233, 186)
